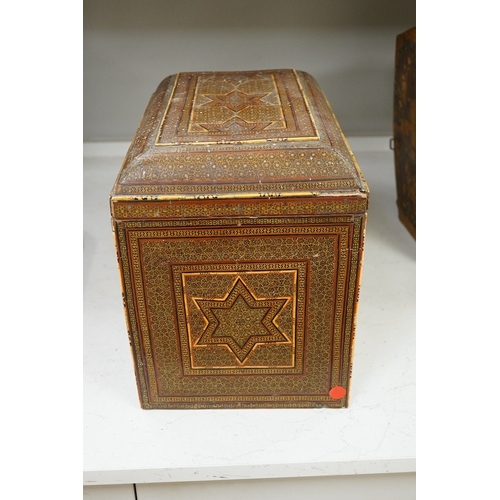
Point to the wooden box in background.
(405, 128)
(239, 216)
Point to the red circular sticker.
(337, 392)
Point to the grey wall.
(348, 46)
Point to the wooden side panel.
(405, 128)
(242, 313)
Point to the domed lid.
(241, 134)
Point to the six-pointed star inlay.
(235, 100)
(241, 320)
(236, 125)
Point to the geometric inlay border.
(247, 107)
(153, 256)
(245, 317)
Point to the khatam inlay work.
(238, 104)
(239, 215)
(257, 133)
(188, 262)
(238, 328)
(240, 321)
(229, 109)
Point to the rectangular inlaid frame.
(285, 341)
(157, 250)
(184, 126)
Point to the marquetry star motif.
(234, 79)
(234, 125)
(240, 320)
(235, 100)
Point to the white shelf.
(124, 444)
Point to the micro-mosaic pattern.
(239, 218)
(257, 315)
(239, 132)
